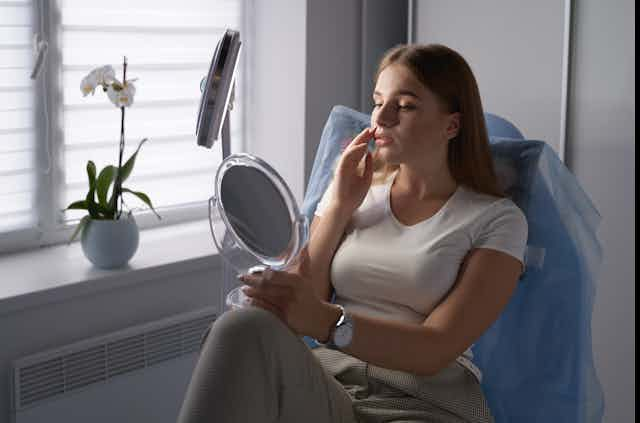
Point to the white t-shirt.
(386, 269)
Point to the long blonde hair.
(447, 74)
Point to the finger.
(355, 153)
(276, 294)
(363, 136)
(276, 298)
(362, 164)
(276, 278)
(258, 302)
(368, 166)
(304, 261)
(300, 264)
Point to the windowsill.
(61, 272)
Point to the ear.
(453, 127)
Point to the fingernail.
(268, 273)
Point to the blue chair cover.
(536, 359)
(502, 128)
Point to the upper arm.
(486, 281)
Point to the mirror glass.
(256, 211)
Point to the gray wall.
(58, 323)
(515, 49)
(344, 44)
(333, 66)
(601, 141)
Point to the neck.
(425, 184)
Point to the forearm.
(323, 243)
(412, 348)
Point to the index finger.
(272, 277)
(362, 137)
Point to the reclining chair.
(536, 359)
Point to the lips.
(382, 140)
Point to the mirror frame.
(299, 222)
(214, 102)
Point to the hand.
(289, 295)
(352, 184)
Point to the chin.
(388, 157)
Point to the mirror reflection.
(256, 210)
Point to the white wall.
(514, 50)
(602, 156)
(276, 97)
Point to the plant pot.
(110, 244)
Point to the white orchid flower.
(121, 95)
(88, 85)
(104, 76)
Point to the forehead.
(396, 79)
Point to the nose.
(385, 116)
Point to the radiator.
(139, 374)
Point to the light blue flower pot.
(110, 244)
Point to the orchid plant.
(98, 203)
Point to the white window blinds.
(18, 172)
(168, 45)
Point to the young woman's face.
(410, 123)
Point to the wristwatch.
(342, 333)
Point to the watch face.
(342, 335)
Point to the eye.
(406, 107)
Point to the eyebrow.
(401, 92)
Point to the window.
(48, 130)
(17, 120)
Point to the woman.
(423, 252)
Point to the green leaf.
(128, 166)
(144, 197)
(112, 205)
(91, 171)
(77, 205)
(81, 225)
(91, 204)
(105, 179)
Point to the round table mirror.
(255, 221)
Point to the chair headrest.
(501, 128)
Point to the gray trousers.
(253, 368)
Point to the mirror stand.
(226, 135)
